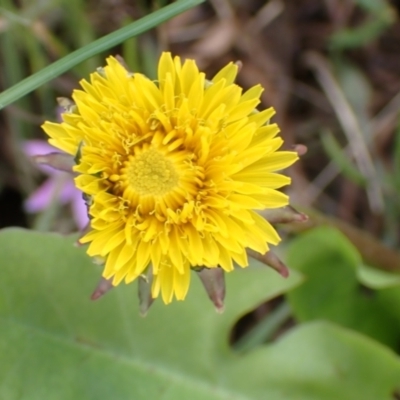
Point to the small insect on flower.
(177, 170)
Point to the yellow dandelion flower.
(174, 169)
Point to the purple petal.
(40, 198)
(67, 186)
(60, 184)
(35, 147)
(40, 147)
(79, 210)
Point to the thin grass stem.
(106, 42)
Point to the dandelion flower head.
(176, 170)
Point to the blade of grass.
(106, 42)
(341, 159)
(351, 127)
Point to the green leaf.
(382, 15)
(377, 279)
(332, 290)
(56, 344)
(373, 6)
(362, 35)
(321, 361)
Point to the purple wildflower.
(59, 184)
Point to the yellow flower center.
(151, 173)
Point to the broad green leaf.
(332, 290)
(56, 344)
(377, 279)
(322, 361)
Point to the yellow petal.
(228, 74)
